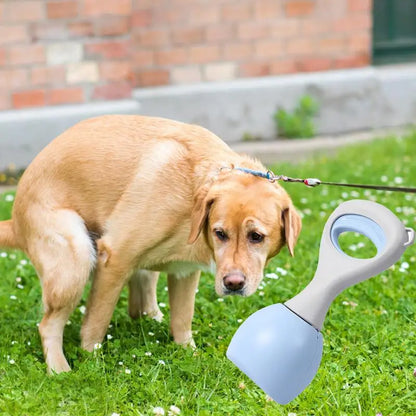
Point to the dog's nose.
(234, 281)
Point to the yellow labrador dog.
(126, 197)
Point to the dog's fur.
(130, 196)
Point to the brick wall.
(71, 51)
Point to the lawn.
(369, 334)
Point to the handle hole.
(357, 245)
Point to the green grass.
(369, 334)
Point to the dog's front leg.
(182, 292)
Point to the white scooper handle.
(336, 270)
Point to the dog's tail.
(7, 235)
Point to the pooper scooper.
(280, 346)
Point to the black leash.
(313, 182)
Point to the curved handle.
(336, 270)
(374, 221)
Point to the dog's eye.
(255, 237)
(221, 235)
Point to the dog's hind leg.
(63, 255)
(142, 295)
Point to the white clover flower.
(158, 411)
(97, 346)
(127, 371)
(12, 361)
(19, 286)
(23, 262)
(120, 363)
(398, 180)
(220, 299)
(272, 276)
(13, 297)
(384, 178)
(3, 254)
(18, 279)
(303, 200)
(161, 362)
(9, 198)
(239, 321)
(281, 271)
(148, 354)
(174, 410)
(109, 337)
(162, 305)
(151, 334)
(82, 309)
(115, 414)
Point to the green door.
(394, 31)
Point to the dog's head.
(246, 220)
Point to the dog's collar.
(266, 175)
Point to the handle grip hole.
(357, 245)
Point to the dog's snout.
(234, 281)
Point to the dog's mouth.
(239, 292)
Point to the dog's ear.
(292, 224)
(200, 212)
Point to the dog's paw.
(156, 315)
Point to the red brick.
(107, 7)
(65, 96)
(26, 54)
(13, 34)
(13, 78)
(165, 17)
(353, 23)
(81, 29)
(176, 56)
(252, 31)
(49, 30)
(62, 9)
(283, 67)
(300, 46)
(204, 13)
(255, 69)
(152, 38)
(143, 58)
(360, 43)
(31, 98)
(354, 61)
(112, 91)
(269, 48)
(238, 51)
(47, 75)
(24, 11)
(141, 18)
(4, 100)
(3, 56)
(220, 32)
(310, 27)
(182, 36)
(204, 53)
(152, 77)
(108, 50)
(360, 5)
(297, 8)
(115, 70)
(267, 9)
(314, 64)
(112, 26)
(331, 45)
(236, 11)
(285, 28)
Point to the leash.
(314, 182)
